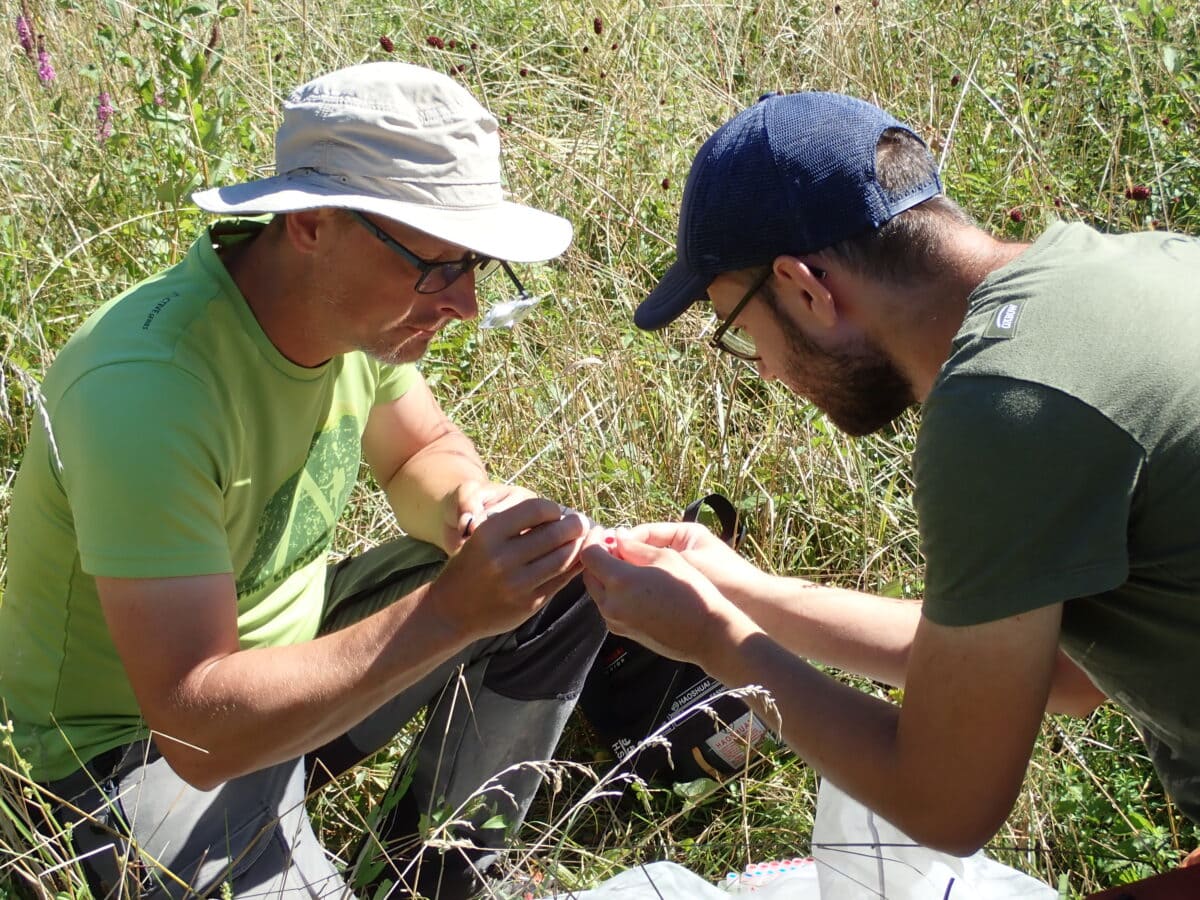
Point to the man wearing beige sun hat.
(187, 664)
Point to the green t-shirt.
(1058, 461)
(183, 443)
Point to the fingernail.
(467, 526)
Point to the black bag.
(632, 691)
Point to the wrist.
(729, 634)
(445, 628)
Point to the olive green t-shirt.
(183, 443)
(1058, 461)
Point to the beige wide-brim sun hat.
(402, 142)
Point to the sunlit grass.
(1035, 110)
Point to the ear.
(304, 227)
(795, 277)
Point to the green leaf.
(695, 791)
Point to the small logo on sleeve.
(1004, 321)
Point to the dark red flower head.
(436, 42)
(386, 43)
(1138, 192)
(1016, 215)
(598, 25)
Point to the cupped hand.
(512, 563)
(655, 596)
(733, 576)
(469, 504)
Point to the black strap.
(732, 530)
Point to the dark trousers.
(493, 713)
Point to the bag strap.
(733, 531)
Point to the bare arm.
(420, 458)
(873, 636)
(220, 711)
(945, 767)
(850, 630)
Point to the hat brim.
(506, 230)
(679, 288)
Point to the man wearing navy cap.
(1057, 467)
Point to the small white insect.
(508, 313)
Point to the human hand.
(465, 508)
(732, 575)
(515, 559)
(655, 596)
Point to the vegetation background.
(112, 111)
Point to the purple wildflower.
(46, 71)
(104, 113)
(159, 100)
(24, 34)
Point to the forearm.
(416, 490)
(254, 708)
(872, 636)
(857, 741)
(849, 630)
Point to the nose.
(458, 300)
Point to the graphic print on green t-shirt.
(309, 502)
(184, 444)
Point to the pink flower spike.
(24, 34)
(46, 73)
(104, 113)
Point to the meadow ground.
(1079, 109)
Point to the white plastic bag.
(860, 854)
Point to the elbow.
(958, 829)
(1081, 701)
(960, 838)
(192, 765)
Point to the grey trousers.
(493, 712)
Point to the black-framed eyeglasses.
(735, 340)
(437, 276)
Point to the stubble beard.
(860, 390)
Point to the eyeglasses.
(735, 340)
(437, 276)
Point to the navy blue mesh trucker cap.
(794, 173)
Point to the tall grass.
(1081, 109)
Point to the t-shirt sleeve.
(393, 382)
(140, 451)
(1023, 496)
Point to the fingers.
(526, 515)
(676, 535)
(478, 500)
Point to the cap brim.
(679, 288)
(508, 231)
